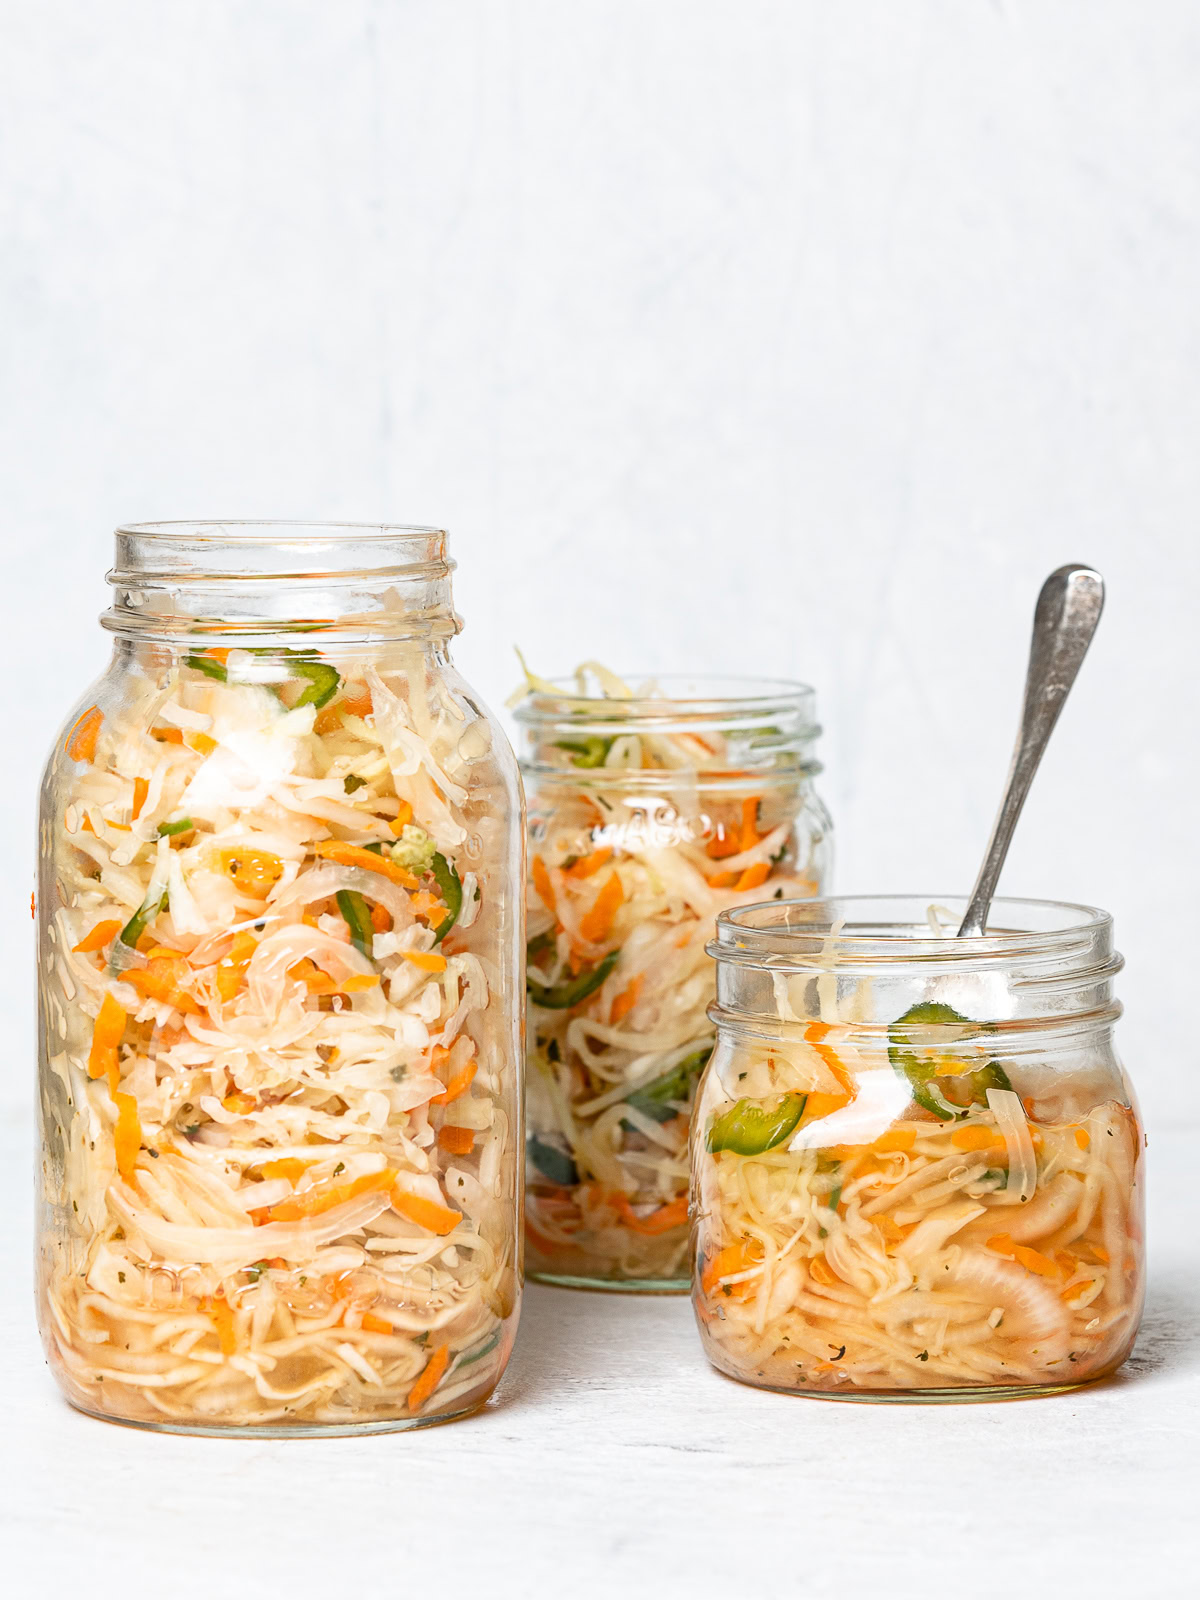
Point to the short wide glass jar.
(281, 923)
(918, 1169)
(649, 813)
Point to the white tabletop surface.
(613, 1461)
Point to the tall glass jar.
(281, 923)
(918, 1169)
(649, 813)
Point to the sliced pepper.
(450, 887)
(142, 918)
(209, 666)
(180, 825)
(561, 996)
(921, 1070)
(654, 1099)
(748, 1128)
(589, 752)
(357, 913)
(552, 1162)
(323, 682)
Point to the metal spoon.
(1068, 611)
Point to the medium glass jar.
(281, 924)
(917, 1163)
(649, 813)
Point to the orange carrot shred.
(588, 864)
(750, 833)
(374, 1324)
(596, 924)
(354, 855)
(140, 790)
(823, 1272)
(127, 1137)
(427, 960)
(425, 1213)
(222, 1315)
(402, 818)
(81, 741)
(458, 1085)
(542, 883)
(753, 876)
(431, 1376)
(103, 933)
(324, 1196)
(627, 999)
(672, 1215)
(456, 1141)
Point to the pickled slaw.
(282, 1117)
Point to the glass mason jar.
(281, 924)
(649, 814)
(917, 1162)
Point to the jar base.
(275, 1430)
(567, 1280)
(922, 1397)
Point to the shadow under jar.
(917, 1162)
(648, 816)
(281, 919)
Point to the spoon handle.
(1068, 610)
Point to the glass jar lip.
(822, 933)
(229, 529)
(680, 693)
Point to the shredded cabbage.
(875, 1246)
(628, 876)
(284, 1105)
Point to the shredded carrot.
(167, 735)
(456, 1141)
(896, 1139)
(458, 1085)
(222, 1315)
(1082, 1138)
(823, 1105)
(627, 999)
(239, 1103)
(722, 880)
(1098, 1251)
(289, 1167)
(427, 960)
(891, 1231)
(975, 1138)
(324, 1196)
(1034, 1261)
(753, 876)
(202, 743)
(823, 1272)
(402, 818)
(354, 855)
(127, 1136)
(231, 969)
(814, 1035)
(543, 884)
(103, 933)
(673, 1215)
(107, 1032)
(81, 741)
(381, 918)
(596, 925)
(327, 720)
(307, 972)
(374, 1324)
(1073, 1289)
(430, 907)
(162, 979)
(218, 652)
(140, 790)
(588, 864)
(723, 843)
(734, 1258)
(358, 981)
(750, 834)
(432, 1375)
(255, 872)
(425, 1213)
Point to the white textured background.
(786, 336)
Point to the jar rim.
(679, 694)
(842, 932)
(234, 528)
